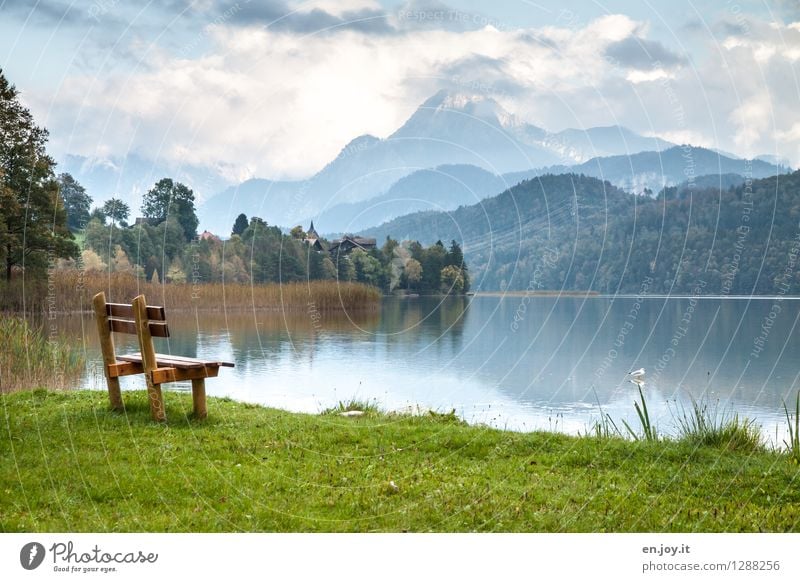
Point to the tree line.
(256, 252)
(574, 232)
(41, 214)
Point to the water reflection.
(546, 362)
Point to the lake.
(519, 363)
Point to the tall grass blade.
(793, 444)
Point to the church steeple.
(311, 233)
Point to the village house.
(342, 245)
(350, 243)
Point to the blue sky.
(276, 88)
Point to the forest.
(573, 232)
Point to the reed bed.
(30, 357)
(703, 425)
(72, 291)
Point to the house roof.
(361, 242)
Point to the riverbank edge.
(80, 467)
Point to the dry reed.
(30, 357)
(71, 291)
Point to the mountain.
(130, 177)
(471, 129)
(442, 188)
(448, 129)
(594, 142)
(575, 232)
(776, 160)
(655, 170)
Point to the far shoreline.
(597, 295)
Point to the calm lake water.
(517, 363)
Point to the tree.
(413, 272)
(433, 261)
(240, 225)
(452, 280)
(33, 221)
(76, 202)
(345, 271)
(298, 233)
(98, 214)
(455, 258)
(167, 198)
(117, 211)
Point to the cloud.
(642, 54)
(789, 8)
(278, 15)
(281, 100)
(45, 12)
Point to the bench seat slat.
(169, 361)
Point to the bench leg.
(114, 393)
(156, 400)
(199, 398)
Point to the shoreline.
(597, 295)
(262, 469)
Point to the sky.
(276, 88)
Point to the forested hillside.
(574, 232)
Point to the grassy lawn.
(68, 464)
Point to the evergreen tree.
(33, 221)
(240, 225)
(76, 202)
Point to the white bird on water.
(637, 377)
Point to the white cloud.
(280, 104)
(752, 120)
(645, 76)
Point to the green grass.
(68, 464)
(703, 425)
(793, 422)
(649, 432)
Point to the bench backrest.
(121, 319)
(139, 319)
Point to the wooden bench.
(145, 322)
